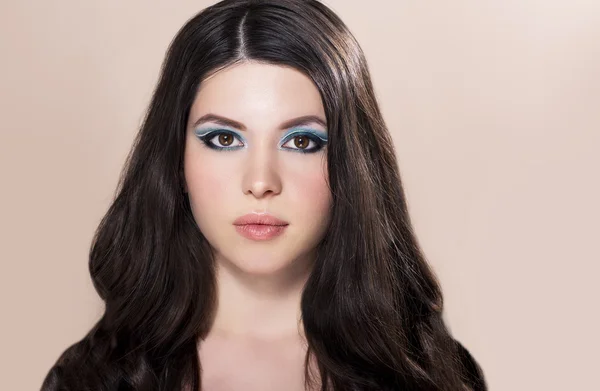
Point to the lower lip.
(259, 231)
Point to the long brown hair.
(372, 308)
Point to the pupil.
(301, 144)
(225, 139)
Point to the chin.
(258, 269)
(259, 261)
(261, 258)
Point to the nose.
(261, 176)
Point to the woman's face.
(255, 144)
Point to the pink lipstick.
(259, 226)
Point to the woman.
(260, 239)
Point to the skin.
(256, 341)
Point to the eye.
(221, 140)
(304, 143)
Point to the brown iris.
(225, 139)
(301, 141)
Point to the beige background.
(495, 112)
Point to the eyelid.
(322, 136)
(207, 131)
(316, 137)
(208, 134)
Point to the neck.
(265, 306)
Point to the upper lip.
(258, 219)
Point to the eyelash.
(209, 136)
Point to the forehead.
(257, 94)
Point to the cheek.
(311, 193)
(314, 193)
(209, 185)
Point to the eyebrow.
(298, 121)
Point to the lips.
(259, 219)
(259, 227)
